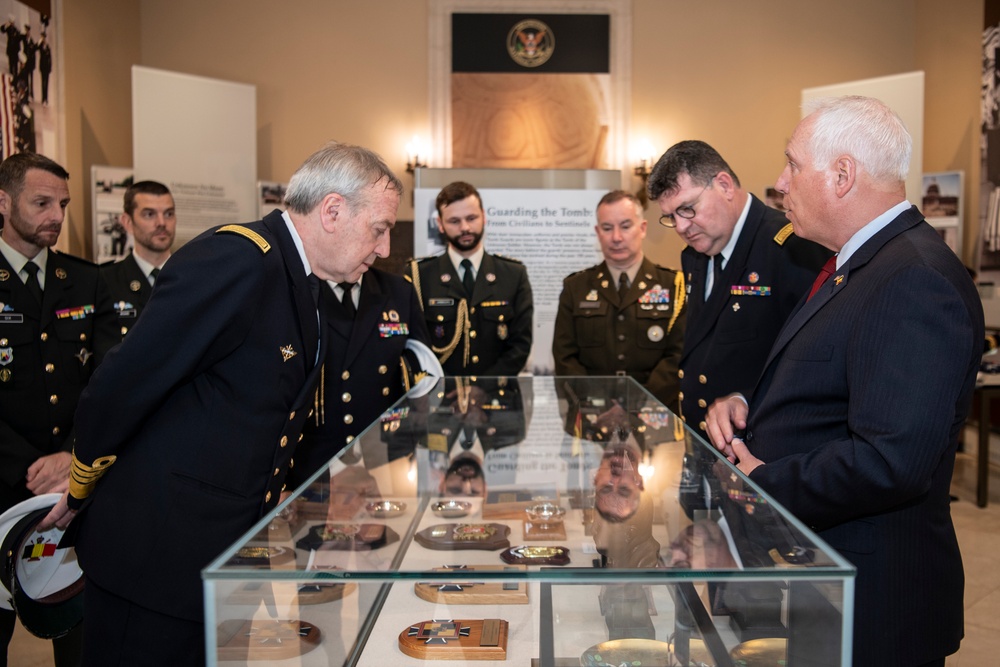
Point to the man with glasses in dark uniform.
(745, 271)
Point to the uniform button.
(267, 498)
(501, 318)
(621, 357)
(311, 413)
(702, 379)
(291, 463)
(3, 341)
(276, 471)
(385, 391)
(472, 310)
(680, 395)
(382, 370)
(346, 375)
(440, 318)
(349, 439)
(472, 334)
(621, 336)
(291, 416)
(621, 317)
(475, 358)
(284, 486)
(44, 336)
(346, 397)
(55, 430)
(124, 330)
(53, 399)
(702, 403)
(83, 336)
(348, 419)
(702, 425)
(284, 441)
(50, 368)
(300, 437)
(680, 373)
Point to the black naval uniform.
(641, 335)
(130, 289)
(178, 466)
(363, 374)
(728, 337)
(487, 335)
(47, 354)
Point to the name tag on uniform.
(589, 304)
(11, 318)
(440, 302)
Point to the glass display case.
(531, 520)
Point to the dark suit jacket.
(47, 355)
(202, 404)
(500, 312)
(363, 377)
(857, 417)
(599, 333)
(727, 338)
(130, 290)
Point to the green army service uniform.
(640, 334)
(487, 335)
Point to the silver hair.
(864, 128)
(345, 169)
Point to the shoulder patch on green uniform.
(783, 234)
(505, 258)
(246, 233)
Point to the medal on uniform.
(502, 331)
(591, 295)
(642, 284)
(287, 352)
(393, 316)
(736, 307)
(491, 277)
(655, 333)
(604, 283)
(84, 356)
(4, 275)
(61, 274)
(445, 277)
(5, 374)
(6, 355)
(134, 286)
(753, 277)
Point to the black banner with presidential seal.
(544, 43)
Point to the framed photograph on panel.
(941, 204)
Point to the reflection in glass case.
(542, 521)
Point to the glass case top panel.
(552, 476)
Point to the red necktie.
(824, 275)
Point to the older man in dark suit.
(175, 467)
(855, 421)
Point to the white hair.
(342, 168)
(864, 128)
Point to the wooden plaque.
(456, 640)
(511, 503)
(454, 536)
(265, 640)
(552, 530)
(348, 537)
(475, 592)
(524, 555)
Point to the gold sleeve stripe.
(83, 477)
(783, 234)
(248, 233)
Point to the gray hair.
(341, 168)
(864, 128)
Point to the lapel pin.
(604, 284)
(287, 352)
(490, 277)
(4, 275)
(839, 279)
(445, 277)
(61, 274)
(753, 277)
(134, 286)
(736, 307)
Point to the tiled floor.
(978, 532)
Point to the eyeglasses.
(686, 211)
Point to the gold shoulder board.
(248, 233)
(783, 234)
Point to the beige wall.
(728, 71)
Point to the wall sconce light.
(416, 155)
(644, 166)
